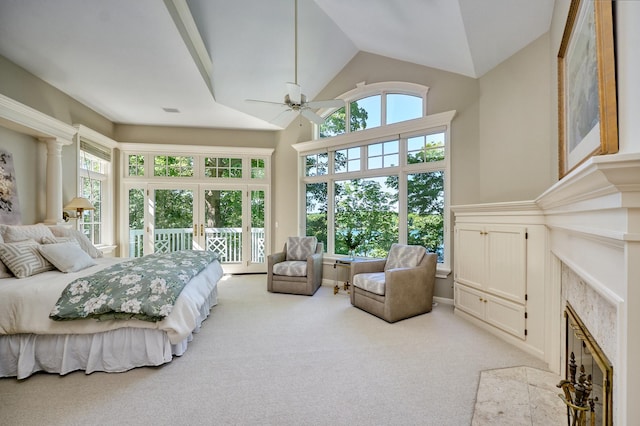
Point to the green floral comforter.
(145, 288)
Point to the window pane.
(317, 164)
(375, 163)
(391, 160)
(365, 113)
(174, 166)
(367, 209)
(375, 149)
(316, 194)
(390, 147)
(347, 160)
(223, 167)
(402, 107)
(257, 168)
(136, 223)
(136, 165)
(383, 154)
(340, 159)
(334, 124)
(425, 148)
(425, 211)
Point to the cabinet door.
(470, 257)
(505, 315)
(469, 300)
(507, 262)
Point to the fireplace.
(588, 384)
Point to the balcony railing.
(226, 242)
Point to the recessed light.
(173, 110)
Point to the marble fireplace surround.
(593, 220)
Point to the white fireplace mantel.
(593, 218)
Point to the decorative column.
(54, 180)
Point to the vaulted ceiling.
(138, 61)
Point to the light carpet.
(278, 359)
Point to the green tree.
(335, 123)
(364, 207)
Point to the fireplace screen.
(587, 388)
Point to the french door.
(226, 219)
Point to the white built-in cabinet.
(499, 270)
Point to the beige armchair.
(398, 287)
(297, 269)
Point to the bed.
(31, 341)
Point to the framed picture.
(587, 110)
(9, 203)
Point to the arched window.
(375, 105)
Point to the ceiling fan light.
(295, 93)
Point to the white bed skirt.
(118, 350)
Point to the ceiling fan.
(295, 100)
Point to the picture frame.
(587, 106)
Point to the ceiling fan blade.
(332, 103)
(312, 116)
(295, 93)
(265, 102)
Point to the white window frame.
(198, 153)
(107, 225)
(429, 124)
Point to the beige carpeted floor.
(277, 359)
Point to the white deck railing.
(226, 242)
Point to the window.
(95, 184)
(173, 166)
(222, 167)
(425, 148)
(401, 107)
(382, 155)
(347, 160)
(257, 168)
(136, 165)
(375, 105)
(317, 164)
(384, 184)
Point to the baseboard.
(443, 300)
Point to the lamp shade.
(79, 204)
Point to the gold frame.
(574, 149)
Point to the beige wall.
(516, 157)
(26, 159)
(26, 88)
(195, 136)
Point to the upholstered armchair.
(398, 287)
(297, 269)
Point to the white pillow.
(26, 232)
(4, 272)
(23, 258)
(66, 257)
(82, 239)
